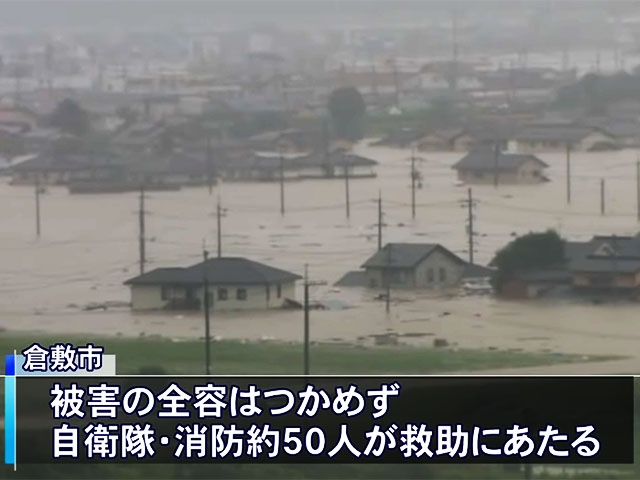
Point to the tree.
(534, 250)
(69, 117)
(347, 109)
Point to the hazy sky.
(88, 14)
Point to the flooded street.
(89, 246)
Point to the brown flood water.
(89, 247)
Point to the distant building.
(402, 138)
(415, 265)
(14, 116)
(445, 140)
(556, 137)
(60, 169)
(139, 137)
(292, 141)
(486, 166)
(234, 284)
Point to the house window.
(430, 275)
(278, 291)
(223, 294)
(442, 274)
(241, 294)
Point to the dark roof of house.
(405, 255)
(485, 159)
(176, 162)
(219, 271)
(354, 278)
(337, 157)
(138, 134)
(315, 159)
(588, 257)
(605, 254)
(70, 162)
(620, 128)
(473, 270)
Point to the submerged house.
(234, 284)
(294, 141)
(402, 138)
(62, 169)
(487, 166)
(414, 265)
(267, 167)
(604, 265)
(556, 137)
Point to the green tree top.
(69, 117)
(533, 250)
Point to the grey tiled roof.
(556, 133)
(405, 255)
(485, 160)
(220, 271)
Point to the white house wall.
(434, 262)
(145, 297)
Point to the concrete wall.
(145, 297)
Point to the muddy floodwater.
(89, 246)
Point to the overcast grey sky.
(29, 14)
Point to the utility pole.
(141, 228)
(568, 174)
(219, 222)
(638, 189)
(396, 84)
(281, 184)
(346, 182)
(413, 183)
(388, 280)
(454, 28)
(307, 284)
(209, 165)
(38, 206)
(379, 221)
(496, 158)
(207, 312)
(602, 196)
(469, 203)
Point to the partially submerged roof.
(605, 254)
(557, 133)
(406, 255)
(485, 159)
(219, 271)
